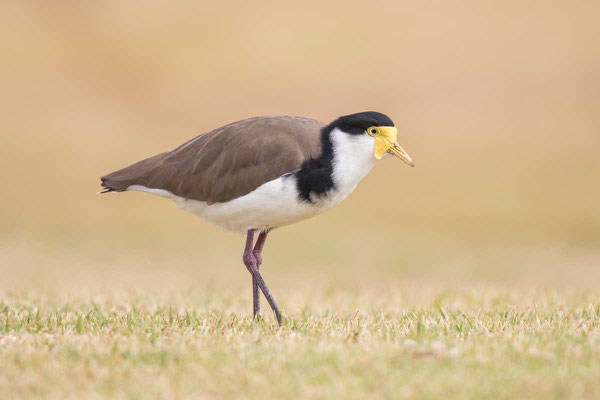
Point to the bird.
(262, 173)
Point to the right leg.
(260, 242)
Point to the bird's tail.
(106, 188)
(135, 174)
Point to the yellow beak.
(385, 142)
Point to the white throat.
(353, 158)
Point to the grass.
(377, 313)
(165, 315)
(476, 342)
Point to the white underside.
(271, 205)
(276, 203)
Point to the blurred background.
(497, 102)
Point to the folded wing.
(228, 162)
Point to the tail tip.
(105, 187)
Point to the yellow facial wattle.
(385, 142)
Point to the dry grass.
(172, 321)
(471, 343)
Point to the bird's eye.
(372, 131)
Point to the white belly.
(271, 205)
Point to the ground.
(475, 343)
(149, 321)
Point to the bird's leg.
(258, 246)
(251, 263)
(255, 299)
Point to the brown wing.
(227, 162)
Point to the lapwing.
(258, 174)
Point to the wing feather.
(228, 162)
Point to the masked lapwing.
(258, 174)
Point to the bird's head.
(377, 130)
